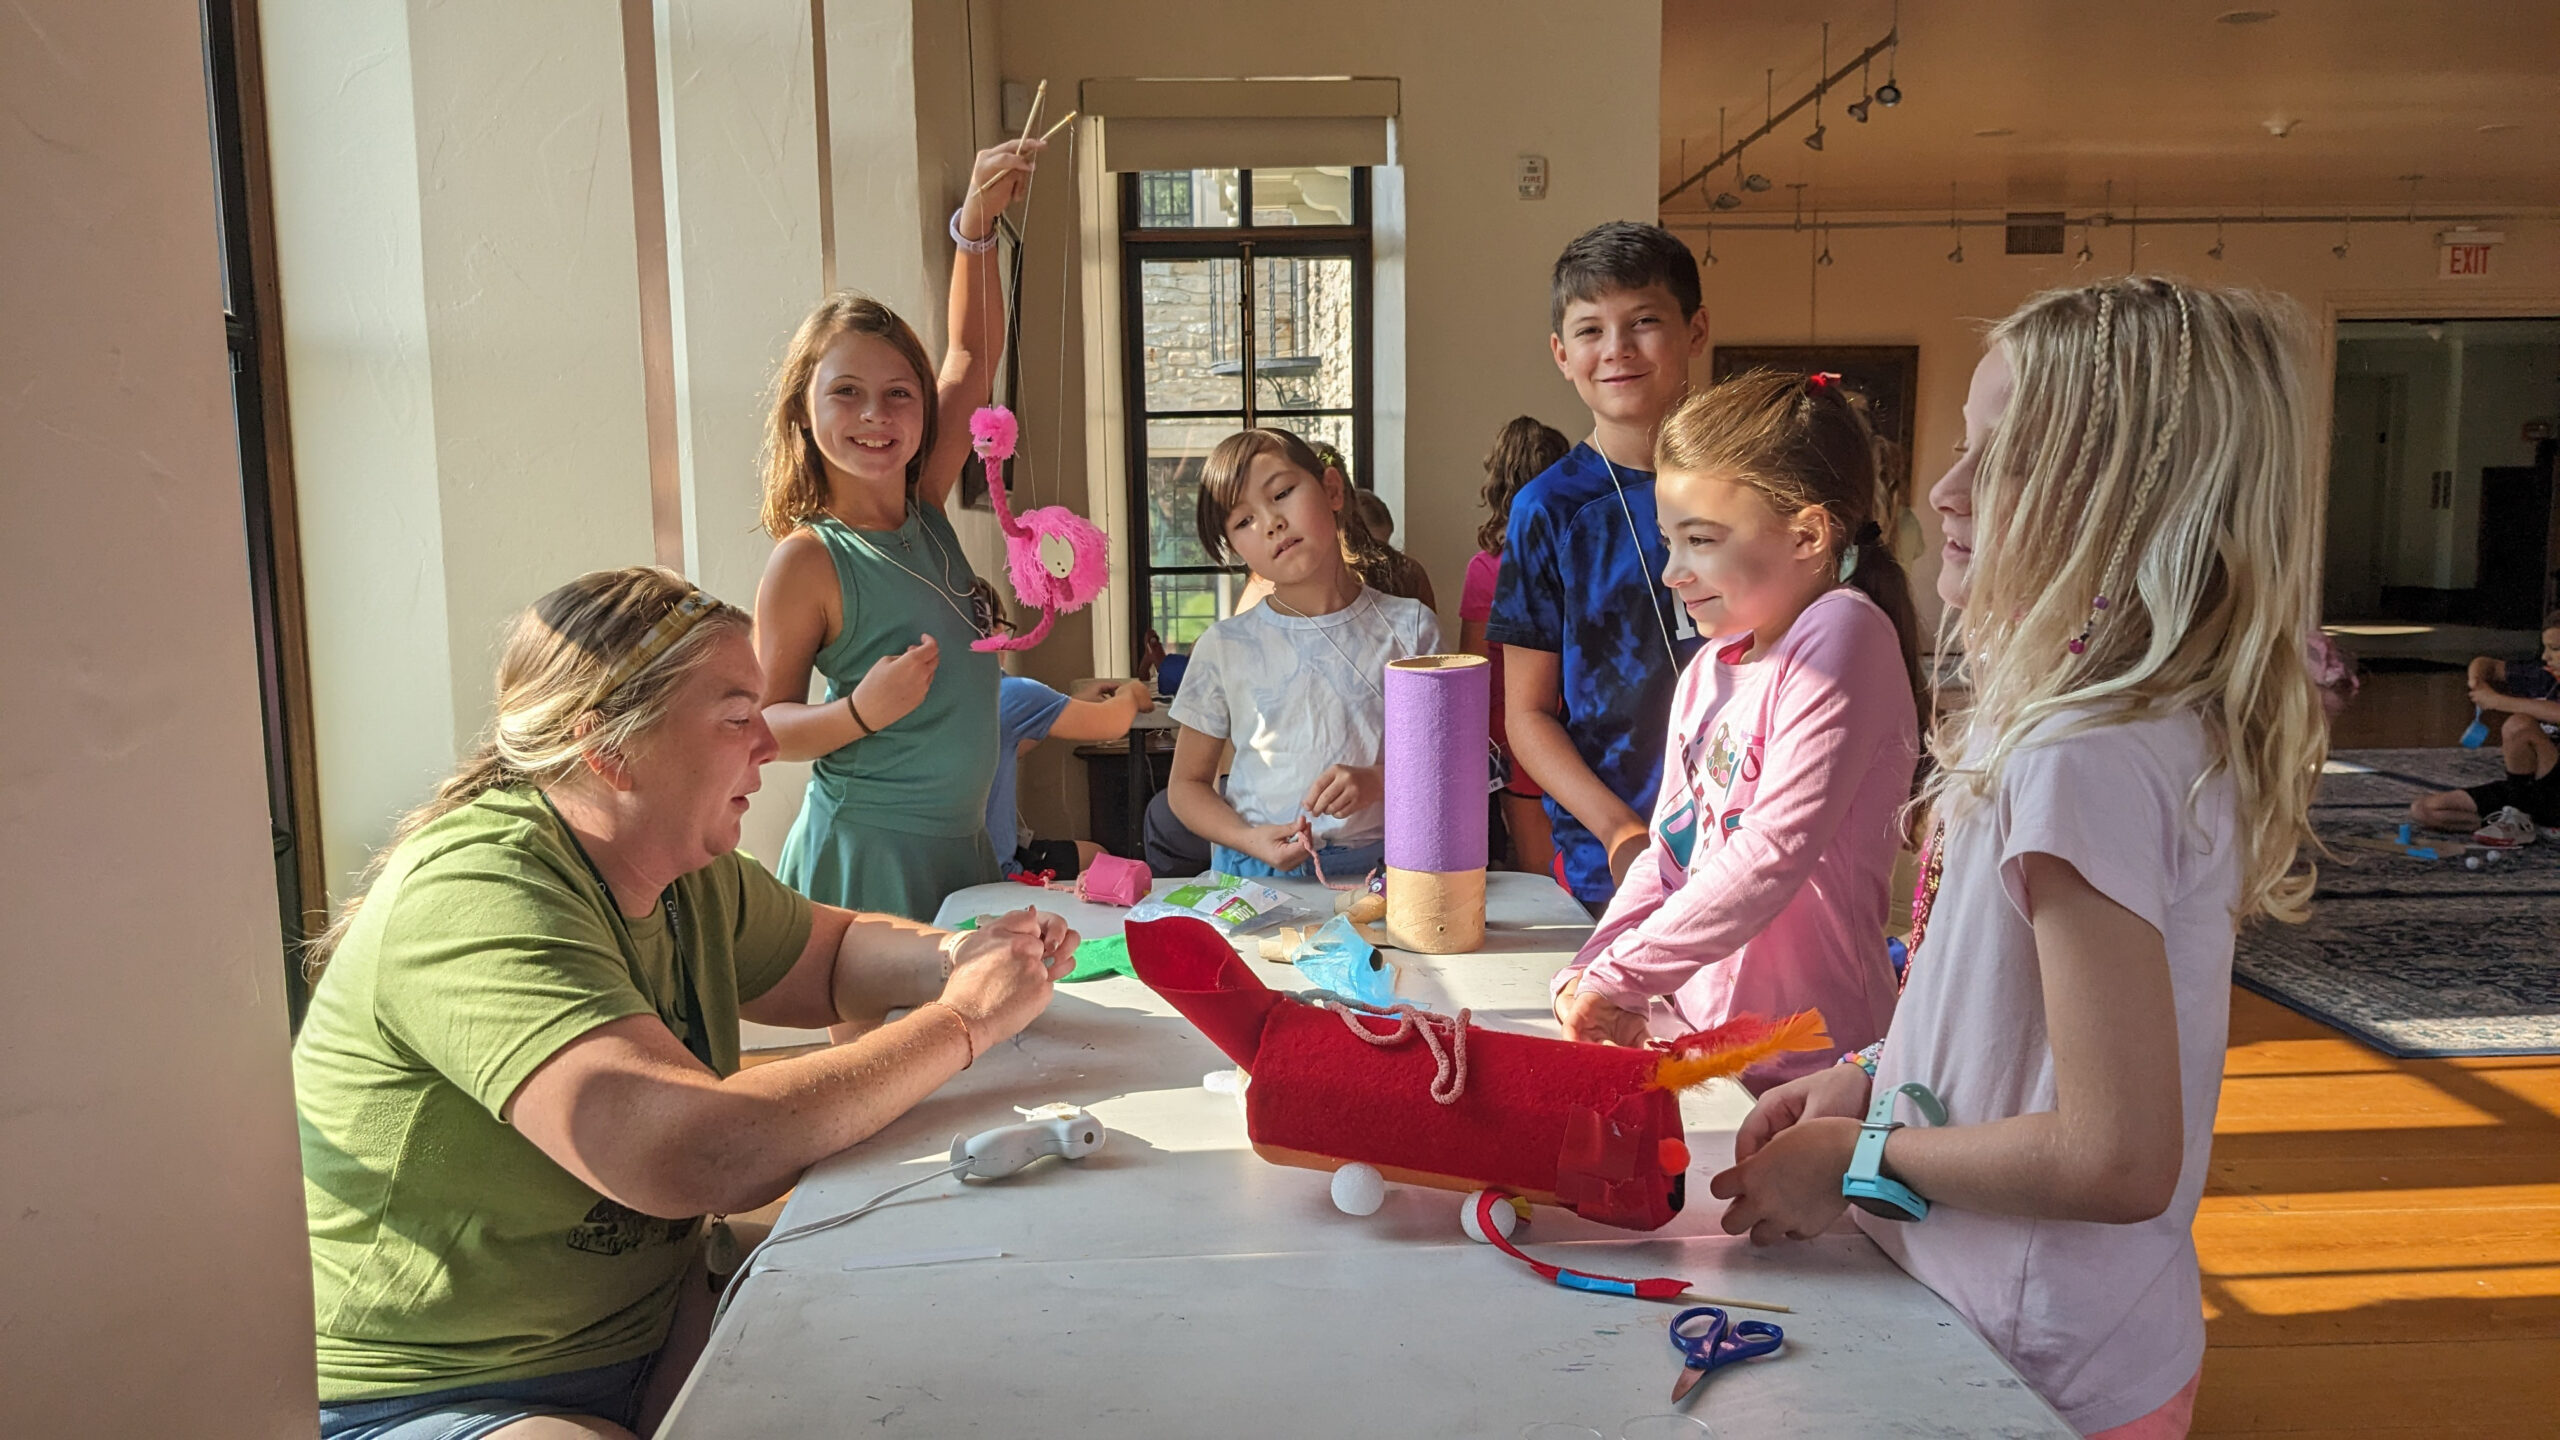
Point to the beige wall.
(150, 1195)
(1896, 287)
(1578, 84)
(461, 295)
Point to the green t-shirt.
(445, 1248)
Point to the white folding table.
(1177, 1285)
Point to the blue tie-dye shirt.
(1579, 573)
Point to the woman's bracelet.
(866, 727)
(967, 1035)
(973, 247)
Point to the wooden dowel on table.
(1692, 1297)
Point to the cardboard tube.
(1435, 912)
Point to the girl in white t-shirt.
(1297, 682)
(2129, 532)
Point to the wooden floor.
(2380, 1240)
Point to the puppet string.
(1448, 1053)
(1315, 857)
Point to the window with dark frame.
(236, 104)
(1245, 302)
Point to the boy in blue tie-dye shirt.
(1592, 643)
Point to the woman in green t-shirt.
(518, 1082)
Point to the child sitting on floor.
(1297, 682)
(1763, 887)
(2127, 781)
(2526, 804)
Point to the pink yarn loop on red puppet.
(1058, 560)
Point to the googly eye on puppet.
(1058, 560)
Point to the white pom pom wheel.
(1505, 1218)
(1359, 1189)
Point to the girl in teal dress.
(868, 584)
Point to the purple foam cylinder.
(1436, 770)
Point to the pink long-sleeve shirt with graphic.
(1763, 888)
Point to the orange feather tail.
(1735, 1046)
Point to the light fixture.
(2216, 252)
(1707, 256)
(1725, 200)
(1754, 181)
(2345, 236)
(1823, 259)
(1955, 256)
(1994, 133)
(1822, 82)
(2085, 254)
(1889, 94)
(2499, 127)
(1866, 93)
(2244, 17)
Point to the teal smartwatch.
(1869, 1191)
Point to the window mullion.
(1252, 341)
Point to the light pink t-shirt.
(2105, 1321)
(1763, 887)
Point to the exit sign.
(2463, 254)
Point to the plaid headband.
(671, 627)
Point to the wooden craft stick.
(1027, 122)
(1692, 1297)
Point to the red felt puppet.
(1432, 1100)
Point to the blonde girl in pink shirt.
(2130, 533)
(1763, 885)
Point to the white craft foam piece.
(1359, 1189)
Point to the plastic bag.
(1231, 903)
(1335, 958)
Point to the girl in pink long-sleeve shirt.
(1762, 889)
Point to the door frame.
(2411, 302)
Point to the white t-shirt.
(1299, 695)
(2105, 1321)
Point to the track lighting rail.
(1768, 126)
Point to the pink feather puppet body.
(1058, 560)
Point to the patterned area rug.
(2417, 958)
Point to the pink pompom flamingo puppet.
(1058, 559)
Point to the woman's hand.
(1836, 1090)
(1003, 972)
(896, 684)
(1790, 1188)
(1345, 790)
(1596, 1020)
(999, 177)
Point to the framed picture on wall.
(1886, 377)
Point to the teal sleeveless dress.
(896, 821)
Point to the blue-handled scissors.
(1709, 1340)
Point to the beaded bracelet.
(1865, 1059)
(973, 247)
(967, 1035)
